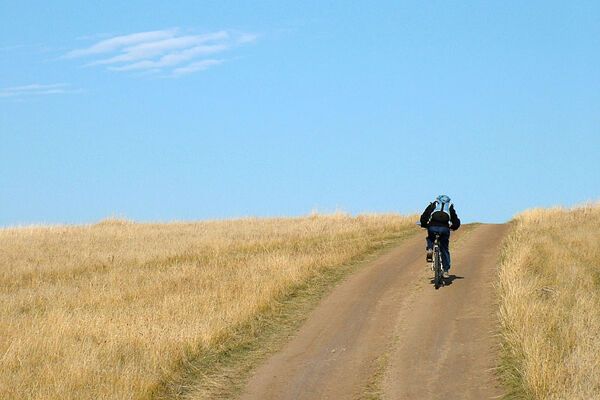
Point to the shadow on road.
(448, 281)
(451, 279)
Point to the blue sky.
(211, 109)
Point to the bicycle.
(436, 264)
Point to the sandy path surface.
(387, 324)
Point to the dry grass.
(113, 309)
(549, 291)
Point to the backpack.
(441, 212)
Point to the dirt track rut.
(386, 326)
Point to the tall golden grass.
(109, 310)
(549, 291)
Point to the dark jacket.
(427, 213)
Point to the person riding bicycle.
(440, 217)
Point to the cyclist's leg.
(445, 249)
(429, 245)
(429, 239)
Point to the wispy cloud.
(116, 42)
(195, 67)
(36, 89)
(162, 51)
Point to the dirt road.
(386, 327)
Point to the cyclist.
(440, 217)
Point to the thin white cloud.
(175, 58)
(116, 42)
(162, 51)
(157, 48)
(36, 89)
(195, 67)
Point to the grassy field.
(549, 290)
(114, 310)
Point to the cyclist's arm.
(454, 218)
(426, 214)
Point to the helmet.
(442, 198)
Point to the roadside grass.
(549, 298)
(221, 372)
(179, 310)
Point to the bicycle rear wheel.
(437, 267)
